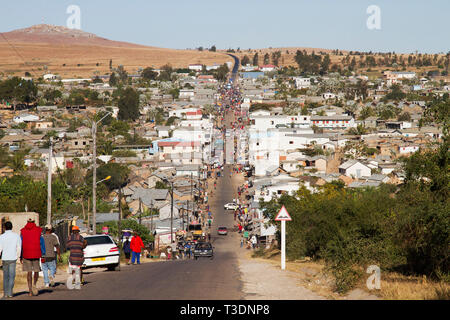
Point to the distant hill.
(74, 53)
(59, 35)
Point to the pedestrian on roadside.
(174, 250)
(242, 242)
(76, 243)
(10, 247)
(181, 249)
(136, 247)
(254, 241)
(187, 250)
(49, 258)
(127, 249)
(33, 248)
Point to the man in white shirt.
(10, 247)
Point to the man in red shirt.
(33, 249)
(136, 245)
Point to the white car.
(101, 251)
(231, 206)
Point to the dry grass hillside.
(288, 59)
(72, 53)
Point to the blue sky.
(406, 25)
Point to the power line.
(17, 52)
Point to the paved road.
(201, 279)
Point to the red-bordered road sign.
(283, 215)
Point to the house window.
(84, 143)
(291, 142)
(76, 143)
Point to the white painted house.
(196, 67)
(333, 122)
(25, 117)
(265, 122)
(302, 83)
(407, 149)
(355, 169)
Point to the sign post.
(283, 216)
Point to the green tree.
(395, 94)
(129, 105)
(166, 73)
(113, 80)
(149, 74)
(119, 175)
(161, 185)
(122, 73)
(405, 116)
(245, 60)
(222, 72)
(17, 162)
(256, 59)
(18, 90)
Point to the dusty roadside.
(263, 279)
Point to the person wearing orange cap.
(76, 243)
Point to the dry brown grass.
(53, 56)
(288, 59)
(398, 287)
(394, 286)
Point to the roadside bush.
(404, 228)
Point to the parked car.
(203, 249)
(222, 231)
(231, 206)
(101, 251)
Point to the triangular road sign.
(283, 215)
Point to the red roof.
(178, 144)
(194, 113)
(268, 66)
(203, 76)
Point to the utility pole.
(187, 214)
(171, 213)
(151, 212)
(140, 211)
(94, 171)
(49, 183)
(94, 174)
(119, 224)
(192, 197)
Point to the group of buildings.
(306, 139)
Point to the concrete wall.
(18, 219)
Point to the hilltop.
(74, 53)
